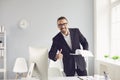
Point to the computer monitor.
(39, 56)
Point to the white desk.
(70, 78)
(96, 77)
(55, 78)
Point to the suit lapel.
(72, 38)
(64, 42)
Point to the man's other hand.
(59, 55)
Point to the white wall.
(42, 15)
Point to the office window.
(115, 27)
(107, 28)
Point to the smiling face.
(63, 25)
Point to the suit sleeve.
(83, 41)
(53, 51)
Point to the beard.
(64, 31)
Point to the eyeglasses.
(64, 24)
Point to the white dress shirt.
(68, 39)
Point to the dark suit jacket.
(69, 60)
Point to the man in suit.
(65, 43)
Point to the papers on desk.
(84, 53)
(86, 78)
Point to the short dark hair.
(62, 17)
